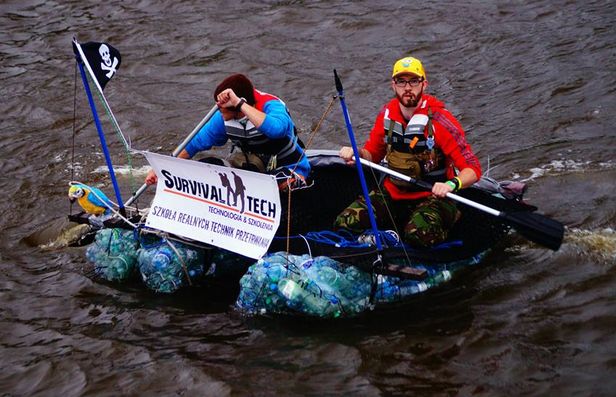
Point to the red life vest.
(449, 138)
(411, 148)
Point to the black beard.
(413, 103)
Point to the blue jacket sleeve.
(277, 123)
(211, 134)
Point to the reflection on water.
(531, 83)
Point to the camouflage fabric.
(425, 222)
(355, 217)
(430, 222)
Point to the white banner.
(230, 208)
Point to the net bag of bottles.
(114, 254)
(318, 287)
(394, 289)
(166, 267)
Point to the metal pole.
(177, 150)
(101, 136)
(360, 171)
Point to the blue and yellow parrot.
(92, 200)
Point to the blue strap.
(345, 239)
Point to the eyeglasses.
(414, 82)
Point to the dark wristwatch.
(238, 108)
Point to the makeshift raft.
(323, 273)
(306, 269)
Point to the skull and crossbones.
(106, 63)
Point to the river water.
(533, 83)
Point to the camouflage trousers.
(425, 222)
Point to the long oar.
(177, 150)
(535, 227)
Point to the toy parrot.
(92, 200)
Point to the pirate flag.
(104, 60)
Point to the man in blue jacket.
(258, 124)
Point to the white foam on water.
(123, 170)
(564, 166)
(599, 244)
(74, 166)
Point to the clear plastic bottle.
(388, 292)
(441, 277)
(303, 300)
(362, 281)
(275, 272)
(393, 289)
(412, 288)
(328, 278)
(161, 260)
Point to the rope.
(109, 114)
(344, 239)
(316, 128)
(335, 239)
(288, 220)
(391, 217)
(177, 253)
(374, 278)
(126, 144)
(70, 205)
(308, 143)
(307, 245)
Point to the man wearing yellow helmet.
(419, 138)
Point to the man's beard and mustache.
(410, 102)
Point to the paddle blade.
(537, 228)
(338, 82)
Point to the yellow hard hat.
(409, 65)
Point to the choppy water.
(532, 82)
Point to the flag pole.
(99, 128)
(360, 171)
